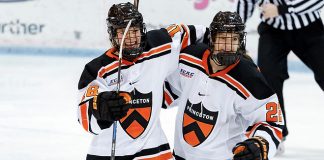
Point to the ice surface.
(38, 111)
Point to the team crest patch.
(138, 117)
(197, 125)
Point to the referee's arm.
(245, 8)
(301, 7)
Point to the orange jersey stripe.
(125, 62)
(84, 116)
(105, 70)
(236, 84)
(248, 134)
(191, 60)
(173, 29)
(205, 60)
(167, 98)
(224, 71)
(110, 53)
(277, 132)
(154, 51)
(169, 28)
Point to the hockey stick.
(113, 145)
(136, 3)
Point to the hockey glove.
(255, 148)
(108, 106)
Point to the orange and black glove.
(255, 148)
(110, 106)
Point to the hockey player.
(226, 109)
(148, 58)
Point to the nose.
(228, 47)
(127, 36)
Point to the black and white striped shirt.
(294, 14)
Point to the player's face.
(132, 38)
(226, 42)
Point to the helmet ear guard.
(231, 23)
(118, 17)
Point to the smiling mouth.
(131, 45)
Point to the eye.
(222, 38)
(235, 38)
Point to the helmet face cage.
(227, 38)
(118, 17)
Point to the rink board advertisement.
(81, 23)
(78, 27)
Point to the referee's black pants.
(275, 44)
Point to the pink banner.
(203, 4)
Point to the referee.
(287, 25)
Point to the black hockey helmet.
(227, 22)
(118, 17)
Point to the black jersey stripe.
(192, 60)
(113, 71)
(137, 62)
(177, 157)
(206, 35)
(276, 125)
(164, 104)
(102, 124)
(230, 86)
(168, 88)
(270, 132)
(193, 65)
(193, 34)
(168, 51)
(91, 70)
(90, 117)
(267, 127)
(145, 152)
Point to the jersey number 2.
(274, 112)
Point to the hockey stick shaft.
(136, 3)
(113, 145)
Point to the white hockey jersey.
(216, 111)
(139, 134)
